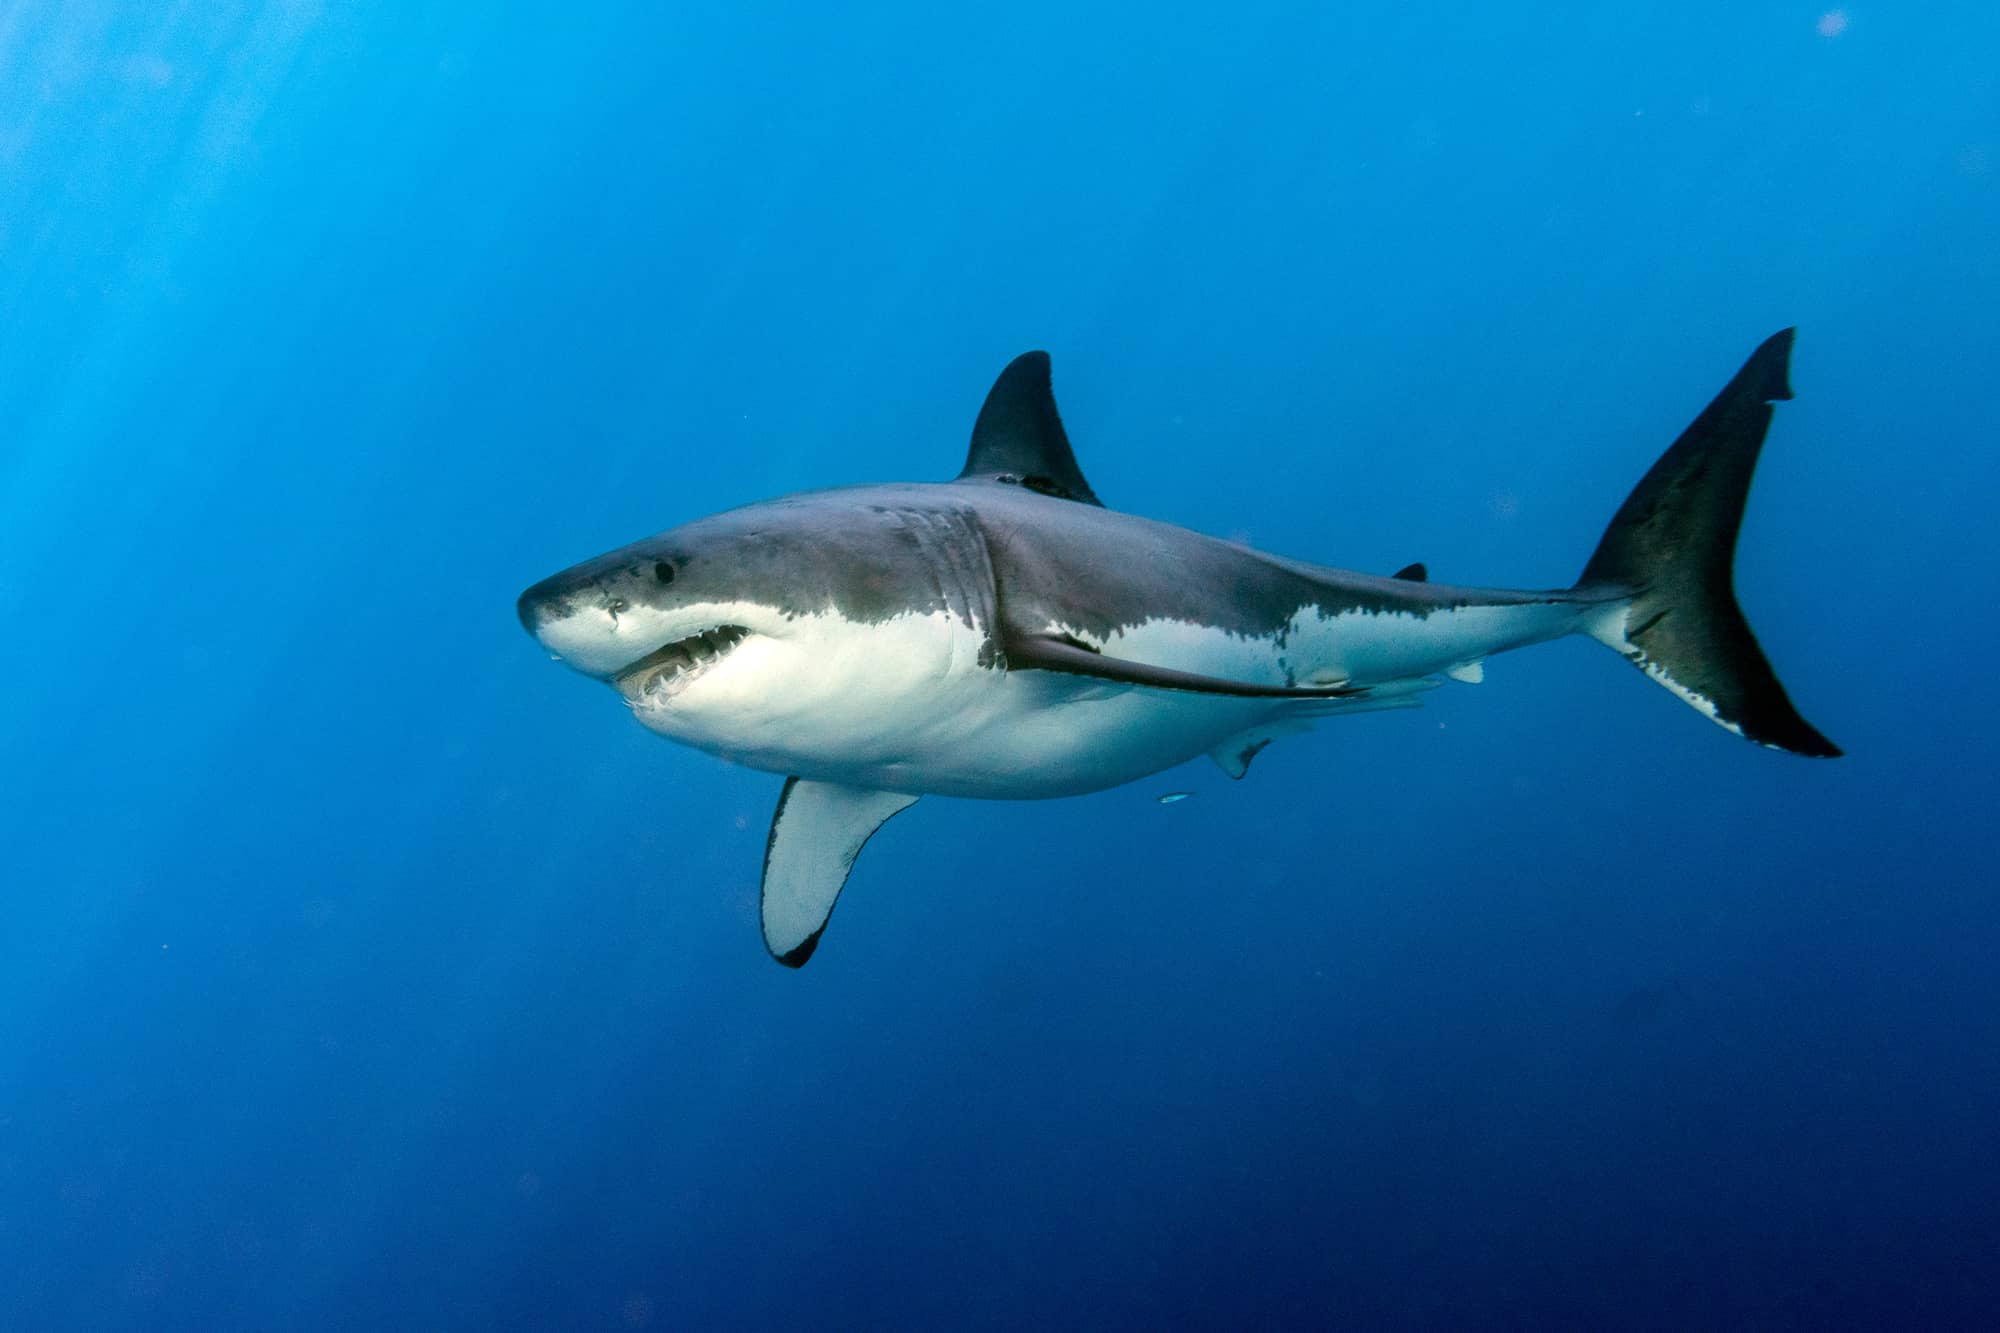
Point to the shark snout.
(577, 620)
(590, 621)
(540, 604)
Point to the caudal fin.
(1673, 544)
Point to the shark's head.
(746, 631)
(654, 618)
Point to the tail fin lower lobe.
(1673, 545)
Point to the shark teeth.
(665, 672)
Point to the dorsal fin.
(1412, 573)
(1019, 437)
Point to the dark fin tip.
(1800, 737)
(797, 957)
(1413, 573)
(1767, 373)
(1249, 753)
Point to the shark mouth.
(665, 672)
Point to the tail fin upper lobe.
(1673, 543)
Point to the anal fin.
(817, 831)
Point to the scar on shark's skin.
(1005, 635)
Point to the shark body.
(1006, 636)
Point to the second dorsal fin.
(1415, 573)
(1019, 438)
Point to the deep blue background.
(359, 967)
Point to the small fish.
(1169, 797)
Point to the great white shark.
(1004, 635)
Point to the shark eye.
(663, 572)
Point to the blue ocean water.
(361, 968)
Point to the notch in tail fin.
(1673, 545)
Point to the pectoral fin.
(816, 832)
(1047, 652)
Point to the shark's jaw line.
(655, 679)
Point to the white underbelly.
(1046, 734)
(908, 707)
(1042, 734)
(988, 733)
